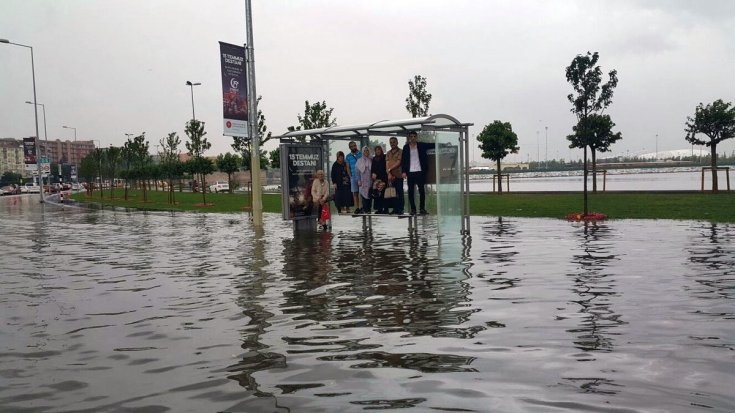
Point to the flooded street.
(110, 311)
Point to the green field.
(616, 205)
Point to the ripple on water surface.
(108, 311)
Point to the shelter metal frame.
(400, 127)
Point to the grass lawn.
(616, 205)
(185, 201)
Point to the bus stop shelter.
(447, 179)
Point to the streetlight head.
(4, 41)
(65, 127)
(29, 102)
(188, 83)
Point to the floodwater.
(659, 179)
(110, 311)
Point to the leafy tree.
(316, 116)
(141, 160)
(243, 144)
(498, 140)
(89, 170)
(229, 164)
(417, 102)
(275, 156)
(10, 177)
(99, 155)
(717, 122)
(596, 131)
(170, 162)
(196, 146)
(590, 97)
(113, 156)
(246, 160)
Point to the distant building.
(11, 156)
(66, 152)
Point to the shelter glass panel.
(448, 174)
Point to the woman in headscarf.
(380, 180)
(364, 179)
(341, 183)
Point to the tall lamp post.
(35, 108)
(45, 152)
(73, 161)
(191, 86)
(546, 150)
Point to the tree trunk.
(500, 180)
(713, 164)
(586, 210)
(204, 190)
(126, 189)
(594, 169)
(229, 182)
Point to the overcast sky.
(114, 67)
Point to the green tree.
(113, 156)
(229, 164)
(196, 146)
(316, 116)
(246, 160)
(717, 122)
(417, 102)
(10, 177)
(242, 144)
(589, 97)
(497, 140)
(596, 130)
(89, 170)
(99, 155)
(275, 156)
(141, 159)
(170, 162)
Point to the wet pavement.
(111, 311)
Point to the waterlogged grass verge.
(615, 205)
(706, 206)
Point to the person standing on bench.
(341, 183)
(380, 180)
(364, 180)
(351, 159)
(395, 178)
(414, 164)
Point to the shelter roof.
(384, 127)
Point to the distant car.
(10, 190)
(76, 187)
(219, 187)
(31, 188)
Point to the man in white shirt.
(414, 165)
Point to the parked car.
(219, 187)
(31, 188)
(10, 190)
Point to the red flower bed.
(592, 216)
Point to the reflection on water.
(110, 311)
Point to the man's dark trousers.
(399, 201)
(417, 178)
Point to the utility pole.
(546, 154)
(253, 121)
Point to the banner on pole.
(234, 90)
(299, 163)
(29, 151)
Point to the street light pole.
(46, 152)
(35, 110)
(546, 150)
(191, 86)
(657, 146)
(75, 141)
(257, 206)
